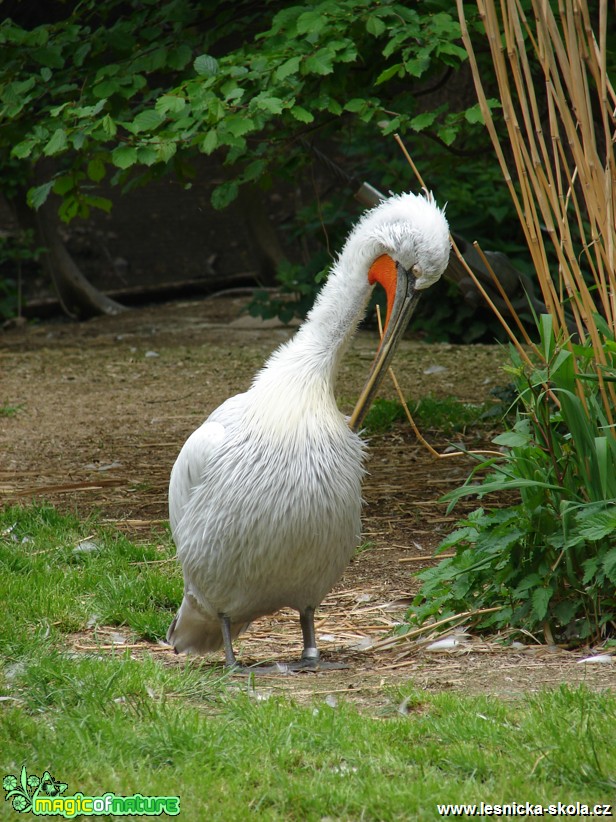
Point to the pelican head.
(409, 250)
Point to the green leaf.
(36, 196)
(447, 134)
(609, 565)
(63, 184)
(179, 57)
(69, 208)
(96, 170)
(375, 26)
(512, 439)
(102, 203)
(146, 121)
(320, 63)
(356, 105)
(146, 155)
(124, 156)
(209, 142)
(50, 56)
(388, 73)
(166, 150)
(169, 103)
(23, 149)
(266, 102)
(540, 599)
(224, 194)
(56, 144)
(596, 525)
(474, 114)
(302, 114)
(310, 22)
(238, 124)
(423, 120)
(106, 88)
(109, 126)
(290, 66)
(206, 66)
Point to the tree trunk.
(78, 297)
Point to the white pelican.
(265, 497)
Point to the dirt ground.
(103, 408)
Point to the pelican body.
(265, 497)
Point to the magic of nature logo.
(46, 796)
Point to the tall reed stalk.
(558, 160)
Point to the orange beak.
(402, 297)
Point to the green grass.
(445, 415)
(115, 723)
(10, 410)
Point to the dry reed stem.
(570, 174)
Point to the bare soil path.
(104, 407)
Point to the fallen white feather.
(605, 658)
(446, 644)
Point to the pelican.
(265, 497)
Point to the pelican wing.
(198, 449)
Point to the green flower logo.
(9, 783)
(21, 791)
(20, 803)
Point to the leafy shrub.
(548, 561)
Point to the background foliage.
(92, 94)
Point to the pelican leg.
(306, 620)
(225, 627)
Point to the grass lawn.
(111, 723)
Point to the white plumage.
(265, 497)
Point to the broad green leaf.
(146, 121)
(170, 103)
(357, 104)
(266, 102)
(388, 73)
(179, 57)
(102, 203)
(56, 144)
(206, 66)
(166, 150)
(224, 194)
(596, 525)
(50, 56)
(69, 208)
(286, 69)
(512, 439)
(23, 149)
(540, 599)
(238, 125)
(209, 142)
(474, 114)
(63, 184)
(96, 170)
(302, 114)
(106, 88)
(423, 120)
(147, 155)
(319, 63)
(109, 126)
(310, 22)
(609, 565)
(36, 196)
(124, 156)
(375, 26)
(447, 134)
